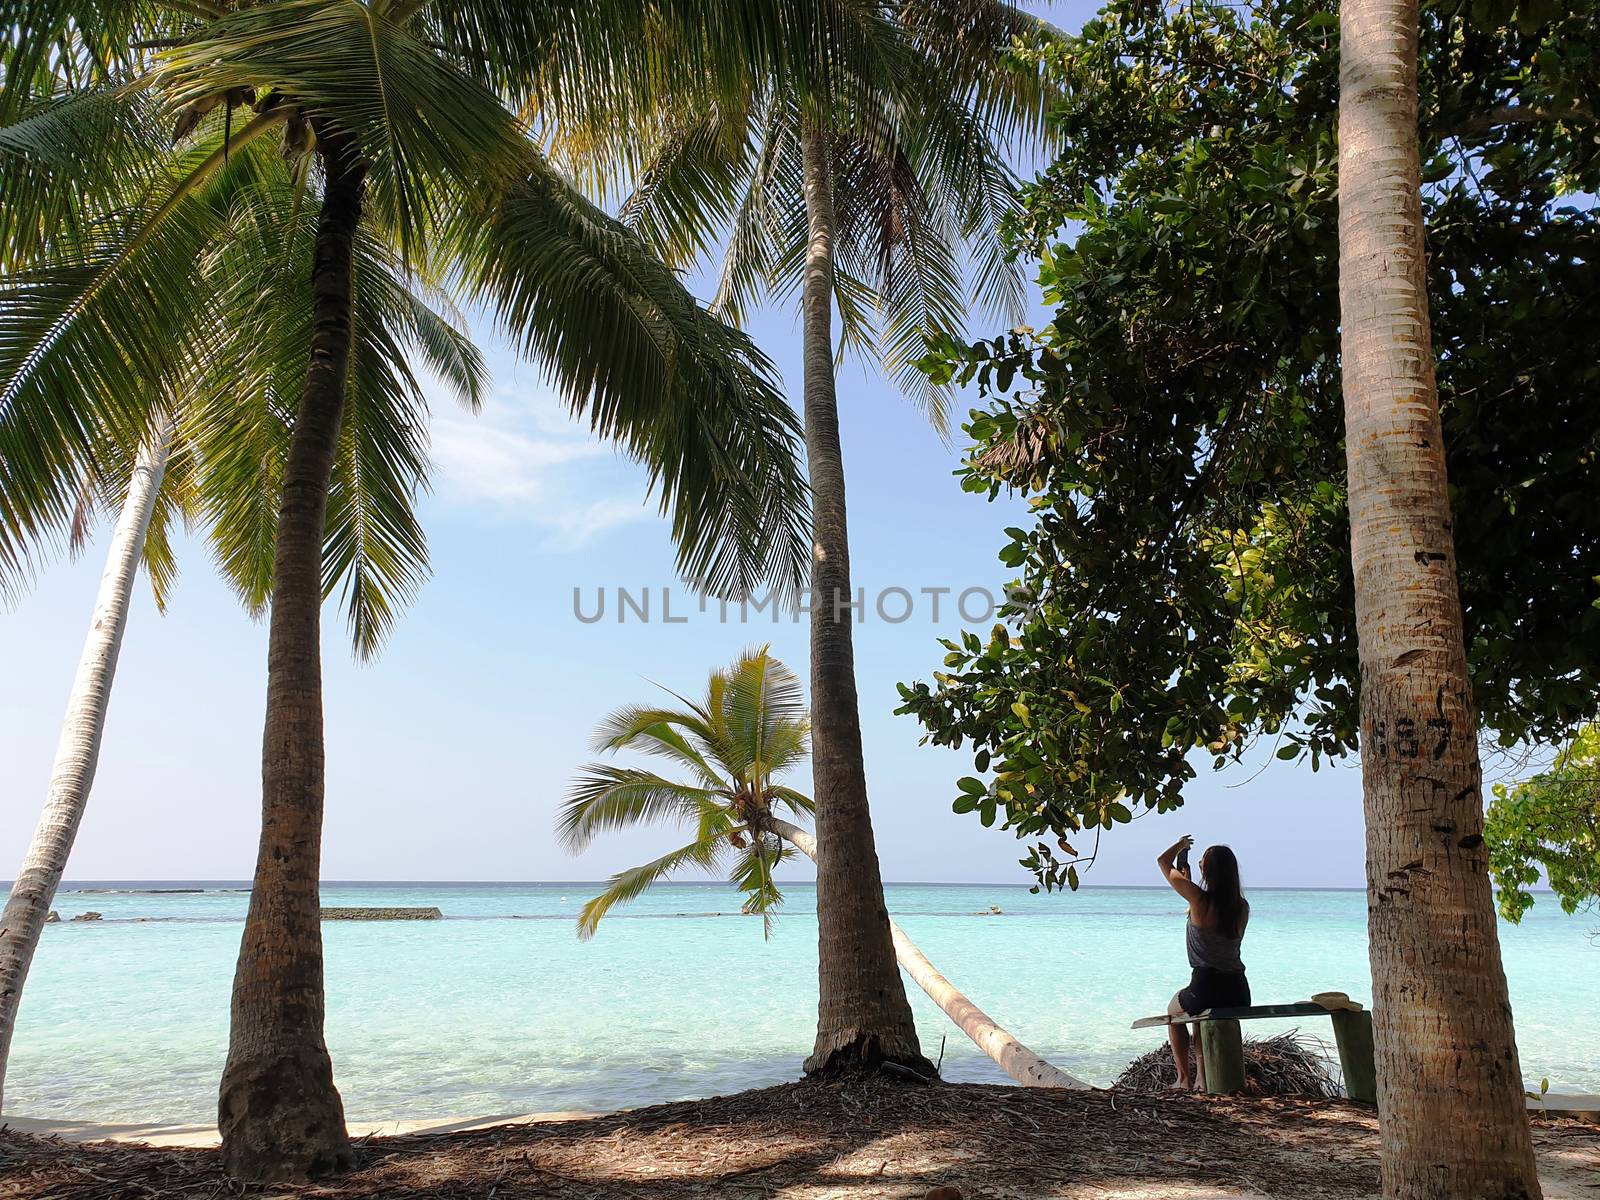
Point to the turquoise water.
(500, 1009)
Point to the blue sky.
(448, 756)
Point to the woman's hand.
(1169, 856)
(1179, 880)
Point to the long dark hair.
(1219, 875)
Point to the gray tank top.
(1208, 948)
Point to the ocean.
(500, 1009)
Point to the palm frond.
(752, 874)
(425, 129)
(374, 553)
(605, 796)
(967, 46)
(53, 46)
(664, 732)
(635, 881)
(797, 803)
(763, 224)
(762, 709)
(627, 345)
(691, 185)
(72, 160)
(99, 333)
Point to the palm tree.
(213, 417)
(72, 774)
(862, 189)
(750, 728)
(1450, 1091)
(399, 119)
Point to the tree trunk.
(78, 753)
(1015, 1059)
(863, 1016)
(1450, 1090)
(279, 1113)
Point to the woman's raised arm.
(1180, 882)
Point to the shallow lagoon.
(500, 1009)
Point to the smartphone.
(1183, 859)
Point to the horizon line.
(67, 885)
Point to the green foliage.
(749, 729)
(189, 300)
(159, 170)
(1549, 824)
(1183, 581)
(916, 107)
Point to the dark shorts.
(1214, 989)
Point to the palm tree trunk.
(78, 753)
(279, 1113)
(1450, 1090)
(863, 1016)
(1015, 1059)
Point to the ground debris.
(818, 1141)
(1288, 1064)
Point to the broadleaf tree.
(1185, 586)
(1182, 591)
(1547, 827)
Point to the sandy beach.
(176, 1136)
(815, 1141)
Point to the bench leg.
(1223, 1045)
(1352, 1033)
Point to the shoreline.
(172, 1136)
(1578, 1107)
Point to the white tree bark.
(1015, 1059)
(79, 750)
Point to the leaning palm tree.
(1450, 1092)
(862, 189)
(399, 122)
(251, 273)
(734, 744)
(72, 774)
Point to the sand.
(177, 1136)
(830, 1141)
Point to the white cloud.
(577, 525)
(527, 459)
(480, 460)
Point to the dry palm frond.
(1289, 1064)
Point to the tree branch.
(1515, 114)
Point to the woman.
(1218, 913)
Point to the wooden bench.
(1223, 1044)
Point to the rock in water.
(88, 916)
(382, 914)
(52, 917)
